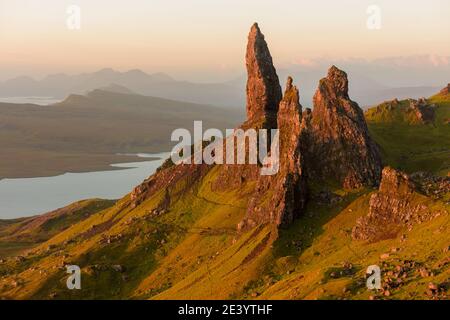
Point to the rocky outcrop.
(424, 112)
(263, 87)
(263, 98)
(436, 187)
(339, 147)
(446, 90)
(395, 206)
(280, 198)
(166, 179)
(410, 111)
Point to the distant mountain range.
(86, 132)
(364, 89)
(156, 84)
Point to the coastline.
(60, 163)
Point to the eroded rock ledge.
(397, 205)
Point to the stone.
(263, 87)
(286, 188)
(118, 268)
(384, 256)
(424, 273)
(446, 90)
(432, 286)
(339, 145)
(391, 209)
(424, 112)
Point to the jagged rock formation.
(263, 98)
(408, 111)
(396, 205)
(339, 147)
(432, 186)
(333, 139)
(424, 112)
(280, 198)
(446, 90)
(165, 180)
(263, 87)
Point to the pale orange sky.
(199, 38)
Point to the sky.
(204, 40)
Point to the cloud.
(413, 61)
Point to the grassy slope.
(193, 251)
(20, 234)
(414, 147)
(195, 235)
(327, 244)
(43, 227)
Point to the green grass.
(193, 250)
(392, 112)
(424, 147)
(8, 249)
(330, 248)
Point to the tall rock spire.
(281, 198)
(263, 86)
(341, 148)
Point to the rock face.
(166, 179)
(411, 112)
(263, 87)
(340, 147)
(263, 98)
(424, 112)
(280, 198)
(446, 90)
(396, 205)
(432, 186)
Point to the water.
(31, 196)
(42, 101)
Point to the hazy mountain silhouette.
(156, 84)
(85, 132)
(371, 82)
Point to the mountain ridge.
(226, 93)
(112, 123)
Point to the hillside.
(85, 132)
(19, 234)
(192, 251)
(407, 142)
(155, 84)
(227, 232)
(368, 83)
